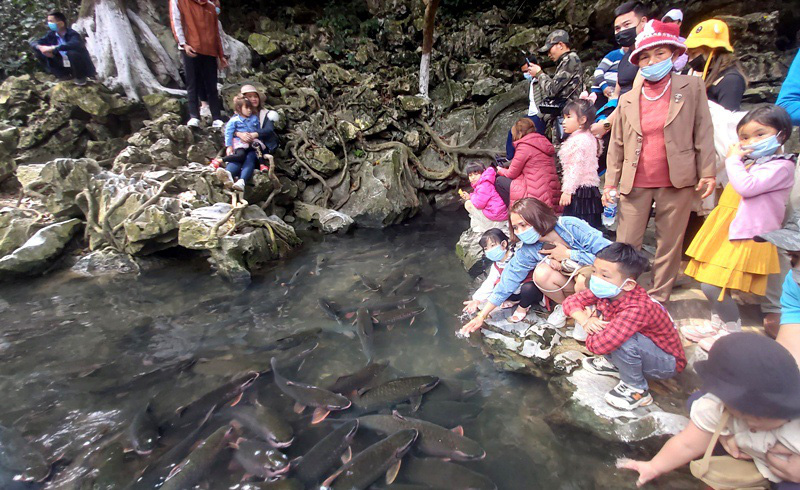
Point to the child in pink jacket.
(580, 193)
(485, 197)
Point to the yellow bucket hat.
(712, 33)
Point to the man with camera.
(566, 82)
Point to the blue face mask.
(657, 72)
(496, 253)
(527, 76)
(218, 10)
(764, 148)
(529, 236)
(53, 26)
(604, 289)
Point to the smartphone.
(529, 59)
(548, 246)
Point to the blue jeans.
(244, 170)
(639, 358)
(540, 128)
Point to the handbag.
(727, 472)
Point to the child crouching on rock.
(242, 157)
(484, 205)
(752, 405)
(496, 247)
(631, 334)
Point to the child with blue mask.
(724, 254)
(496, 248)
(632, 335)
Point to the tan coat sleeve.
(705, 154)
(616, 149)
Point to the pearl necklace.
(653, 99)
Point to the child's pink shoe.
(216, 162)
(264, 168)
(707, 343)
(696, 333)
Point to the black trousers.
(201, 71)
(528, 295)
(81, 65)
(503, 187)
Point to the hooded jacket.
(486, 197)
(533, 170)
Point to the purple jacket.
(765, 189)
(486, 197)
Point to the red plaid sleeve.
(578, 301)
(627, 321)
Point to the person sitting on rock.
(62, 52)
(557, 250)
(485, 204)
(632, 335)
(496, 247)
(751, 406)
(266, 122)
(241, 157)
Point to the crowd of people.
(643, 142)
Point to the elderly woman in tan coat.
(661, 150)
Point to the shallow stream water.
(68, 344)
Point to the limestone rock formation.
(39, 250)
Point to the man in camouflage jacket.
(567, 81)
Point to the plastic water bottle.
(610, 211)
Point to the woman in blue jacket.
(535, 224)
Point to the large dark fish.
(382, 457)
(389, 318)
(362, 378)
(143, 431)
(375, 306)
(229, 393)
(452, 389)
(393, 392)
(264, 423)
(434, 440)
(145, 380)
(446, 413)
(315, 464)
(20, 458)
(260, 459)
(194, 467)
(305, 395)
(286, 343)
(438, 473)
(364, 332)
(369, 283)
(406, 286)
(330, 309)
(393, 278)
(303, 270)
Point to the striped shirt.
(606, 73)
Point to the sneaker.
(707, 343)
(225, 177)
(626, 397)
(217, 123)
(205, 110)
(193, 123)
(239, 185)
(696, 333)
(557, 318)
(80, 81)
(600, 365)
(578, 333)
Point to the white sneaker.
(217, 123)
(193, 123)
(239, 185)
(557, 318)
(578, 333)
(205, 111)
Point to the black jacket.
(74, 48)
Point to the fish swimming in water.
(314, 465)
(382, 457)
(438, 473)
(307, 395)
(362, 378)
(143, 431)
(365, 333)
(393, 392)
(260, 459)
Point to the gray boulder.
(60, 182)
(40, 250)
(106, 262)
(326, 220)
(16, 227)
(9, 135)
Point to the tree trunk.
(132, 46)
(427, 45)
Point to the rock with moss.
(158, 104)
(40, 250)
(61, 181)
(93, 99)
(16, 227)
(335, 74)
(412, 103)
(106, 262)
(264, 46)
(9, 135)
(326, 220)
(20, 97)
(324, 161)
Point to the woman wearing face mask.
(711, 56)
(724, 254)
(547, 242)
(661, 150)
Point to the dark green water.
(65, 339)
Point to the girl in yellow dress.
(723, 253)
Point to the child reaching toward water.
(580, 194)
(241, 157)
(485, 198)
(752, 402)
(496, 246)
(723, 253)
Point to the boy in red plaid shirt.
(631, 333)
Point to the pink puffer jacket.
(533, 170)
(486, 197)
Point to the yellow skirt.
(730, 264)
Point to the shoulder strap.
(704, 463)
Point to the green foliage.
(359, 153)
(22, 21)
